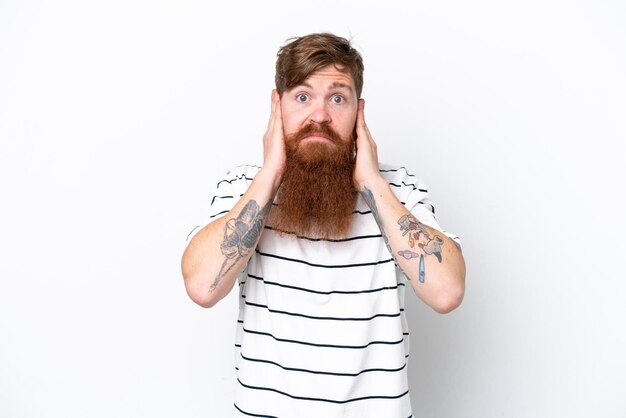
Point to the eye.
(338, 99)
(302, 98)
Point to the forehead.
(330, 78)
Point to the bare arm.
(432, 262)
(220, 251)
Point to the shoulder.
(250, 170)
(401, 178)
(408, 188)
(240, 175)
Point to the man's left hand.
(366, 165)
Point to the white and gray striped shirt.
(321, 330)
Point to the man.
(323, 241)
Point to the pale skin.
(219, 252)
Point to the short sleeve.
(225, 194)
(413, 194)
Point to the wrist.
(375, 182)
(270, 176)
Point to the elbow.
(449, 301)
(203, 300)
(199, 294)
(451, 294)
(196, 285)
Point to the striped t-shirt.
(321, 330)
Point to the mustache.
(318, 129)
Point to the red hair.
(301, 57)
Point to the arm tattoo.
(416, 233)
(369, 199)
(240, 236)
(410, 226)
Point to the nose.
(319, 113)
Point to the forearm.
(432, 262)
(220, 251)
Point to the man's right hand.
(274, 156)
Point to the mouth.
(318, 137)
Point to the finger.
(369, 134)
(278, 115)
(275, 109)
(360, 118)
(270, 122)
(366, 128)
(361, 127)
(275, 99)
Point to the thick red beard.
(317, 196)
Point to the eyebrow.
(335, 85)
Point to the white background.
(117, 117)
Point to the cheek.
(350, 115)
(292, 119)
(349, 122)
(289, 124)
